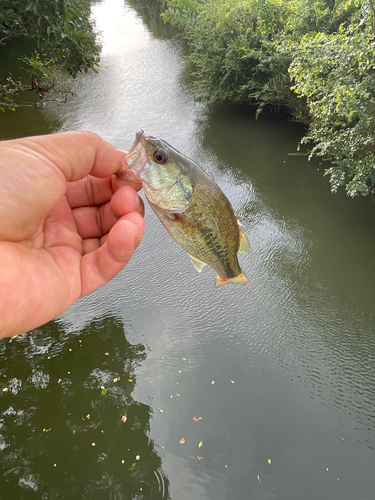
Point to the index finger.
(94, 191)
(77, 153)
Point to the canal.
(159, 386)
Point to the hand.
(67, 225)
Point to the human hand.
(67, 225)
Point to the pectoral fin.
(244, 243)
(179, 218)
(198, 264)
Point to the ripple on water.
(163, 483)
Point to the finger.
(126, 200)
(94, 222)
(94, 191)
(117, 182)
(90, 245)
(90, 191)
(76, 154)
(103, 264)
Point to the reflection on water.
(70, 427)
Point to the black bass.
(190, 205)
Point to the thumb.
(100, 266)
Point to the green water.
(281, 371)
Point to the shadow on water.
(150, 11)
(24, 121)
(64, 399)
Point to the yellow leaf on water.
(269, 460)
(260, 482)
(161, 411)
(124, 418)
(200, 444)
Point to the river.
(95, 404)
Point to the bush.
(335, 74)
(314, 57)
(64, 43)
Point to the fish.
(190, 205)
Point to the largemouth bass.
(190, 205)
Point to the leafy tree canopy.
(62, 44)
(314, 57)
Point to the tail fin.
(240, 279)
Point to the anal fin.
(198, 264)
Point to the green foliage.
(315, 57)
(336, 76)
(229, 45)
(180, 13)
(64, 43)
(241, 50)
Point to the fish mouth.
(134, 162)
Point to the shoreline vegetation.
(316, 59)
(53, 41)
(313, 58)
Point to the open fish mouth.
(134, 162)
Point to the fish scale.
(214, 241)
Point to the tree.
(335, 75)
(313, 57)
(62, 44)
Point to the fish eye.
(159, 156)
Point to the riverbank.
(313, 58)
